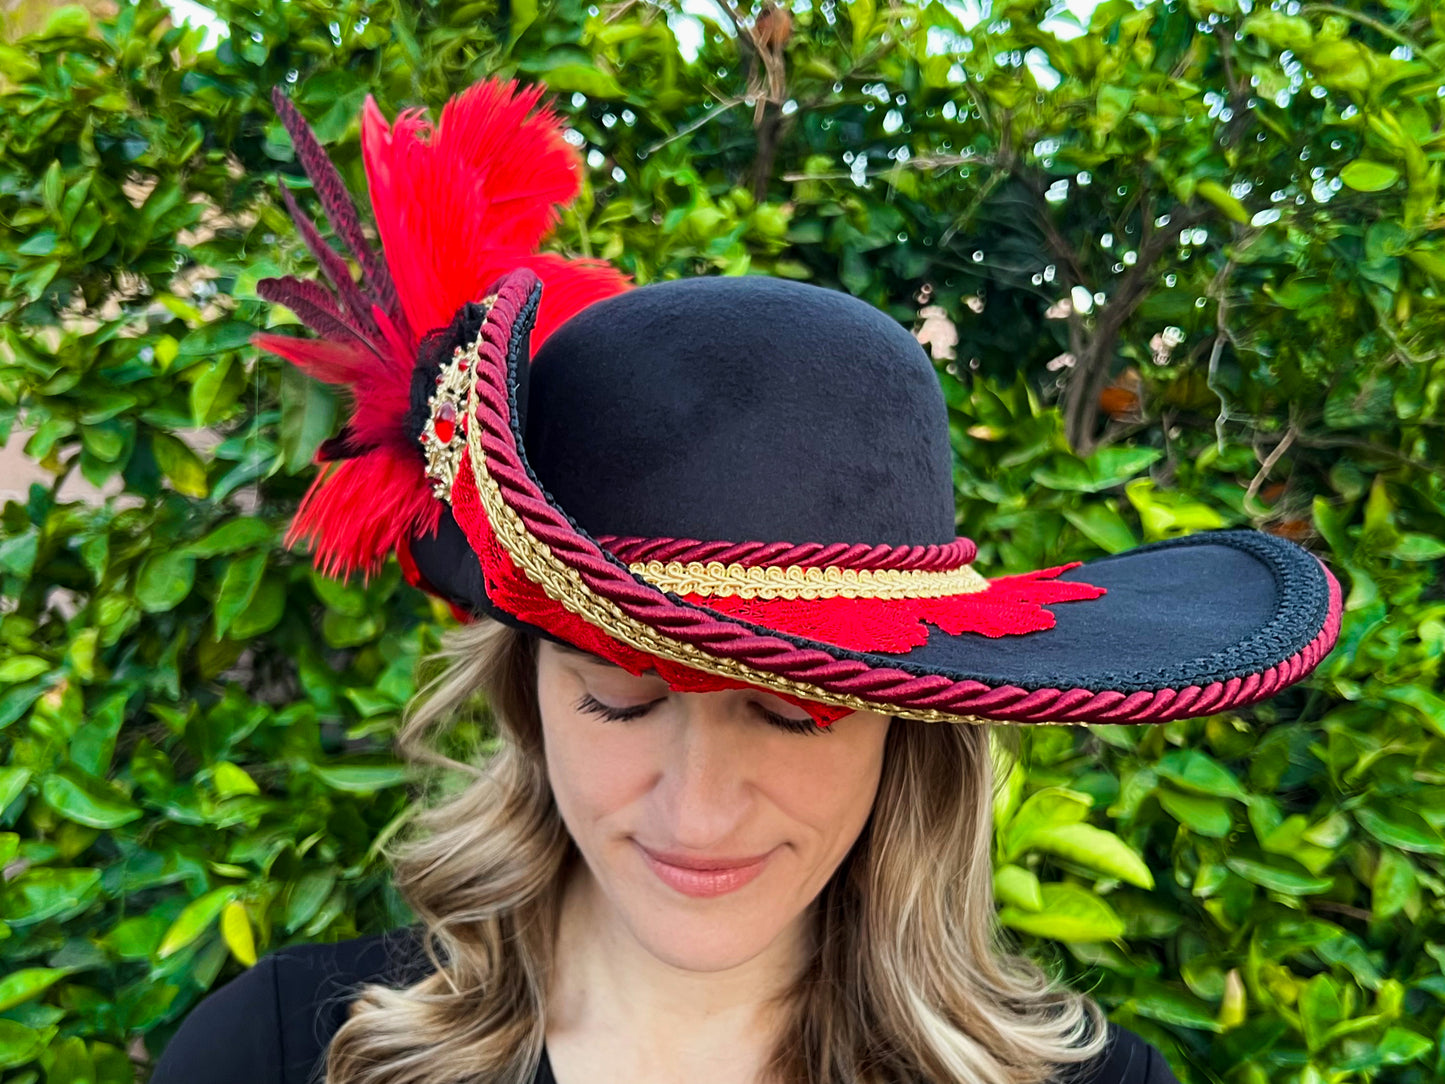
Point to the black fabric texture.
(742, 408)
(1190, 611)
(273, 1023)
(450, 566)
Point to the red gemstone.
(445, 422)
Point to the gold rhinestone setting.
(443, 437)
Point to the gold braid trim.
(565, 585)
(716, 579)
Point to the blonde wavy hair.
(909, 977)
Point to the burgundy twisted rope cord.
(810, 665)
(940, 558)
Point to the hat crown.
(741, 409)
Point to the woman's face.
(695, 780)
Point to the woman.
(736, 827)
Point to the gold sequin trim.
(565, 585)
(715, 579)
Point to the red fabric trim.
(772, 654)
(951, 555)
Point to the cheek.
(828, 783)
(595, 768)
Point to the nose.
(704, 787)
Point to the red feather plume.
(456, 203)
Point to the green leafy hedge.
(1180, 272)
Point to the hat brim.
(1187, 627)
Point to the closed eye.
(592, 705)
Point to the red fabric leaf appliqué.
(1011, 606)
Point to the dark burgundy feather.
(332, 264)
(336, 201)
(314, 305)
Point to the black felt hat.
(752, 477)
(731, 482)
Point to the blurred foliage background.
(1180, 268)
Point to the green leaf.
(27, 983)
(1363, 175)
(1115, 465)
(308, 412)
(41, 893)
(1196, 771)
(207, 386)
(1401, 828)
(67, 21)
(1393, 884)
(341, 631)
(861, 14)
(19, 668)
(1050, 806)
(582, 79)
(216, 338)
(1069, 913)
(346, 599)
(236, 932)
(234, 535)
(1205, 816)
(18, 554)
(1103, 526)
(50, 190)
(1173, 1007)
(19, 1044)
(230, 780)
(1085, 845)
(360, 778)
(14, 703)
(1429, 704)
(1401, 1046)
(264, 610)
(238, 588)
(1018, 887)
(194, 920)
(12, 784)
(306, 896)
(1321, 1007)
(1417, 547)
(135, 938)
(1284, 881)
(178, 463)
(1227, 204)
(165, 580)
(87, 801)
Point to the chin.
(701, 935)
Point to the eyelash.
(589, 703)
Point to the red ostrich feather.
(456, 203)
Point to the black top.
(272, 1024)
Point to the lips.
(704, 877)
